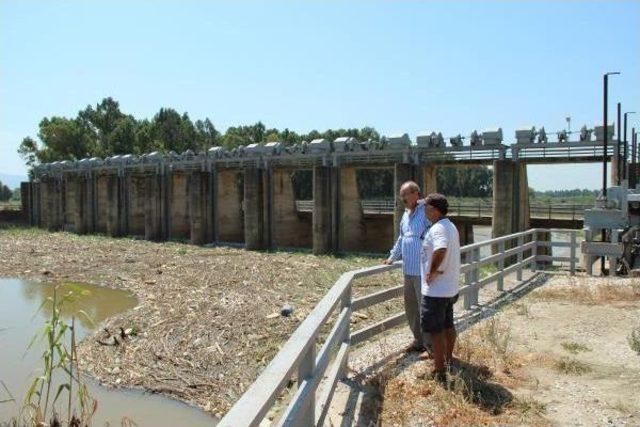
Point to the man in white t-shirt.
(440, 275)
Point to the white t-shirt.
(442, 234)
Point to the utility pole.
(626, 144)
(605, 151)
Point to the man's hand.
(387, 262)
(431, 276)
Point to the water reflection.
(90, 304)
(21, 319)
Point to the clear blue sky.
(400, 67)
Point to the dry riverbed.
(208, 319)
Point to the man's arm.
(436, 260)
(396, 252)
(440, 244)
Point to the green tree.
(5, 193)
(103, 121)
(145, 140)
(61, 139)
(465, 182)
(174, 131)
(17, 195)
(206, 133)
(123, 138)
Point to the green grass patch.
(572, 367)
(634, 340)
(574, 347)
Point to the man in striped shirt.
(408, 247)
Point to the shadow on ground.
(473, 381)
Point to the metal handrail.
(310, 404)
(472, 209)
(10, 206)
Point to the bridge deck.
(541, 215)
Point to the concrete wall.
(229, 213)
(290, 229)
(378, 234)
(357, 232)
(351, 227)
(199, 218)
(71, 188)
(401, 174)
(137, 195)
(510, 198)
(465, 230)
(430, 179)
(102, 186)
(179, 226)
(203, 206)
(323, 209)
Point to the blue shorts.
(436, 313)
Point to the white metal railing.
(378, 206)
(477, 209)
(304, 205)
(318, 372)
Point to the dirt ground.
(208, 318)
(558, 356)
(208, 322)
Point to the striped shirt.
(408, 247)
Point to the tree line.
(7, 193)
(105, 130)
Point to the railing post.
(520, 253)
(346, 302)
(501, 250)
(572, 253)
(468, 279)
(305, 372)
(476, 275)
(534, 251)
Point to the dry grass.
(475, 392)
(207, 317)
(591, 291)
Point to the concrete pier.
(322, 210)
(510, 198)
(178, 205)
(229, 206)
(402, 173)
(153, 207)
(289, 227)
(198, 221)
(137, 197)
(254, 208)
(350, 227)
(465, 230)
(429, 179)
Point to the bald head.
(409, 187)
(409, 193)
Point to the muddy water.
(19, 303)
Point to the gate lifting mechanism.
(618, 215)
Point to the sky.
(408, 67)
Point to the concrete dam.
(247, 196)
